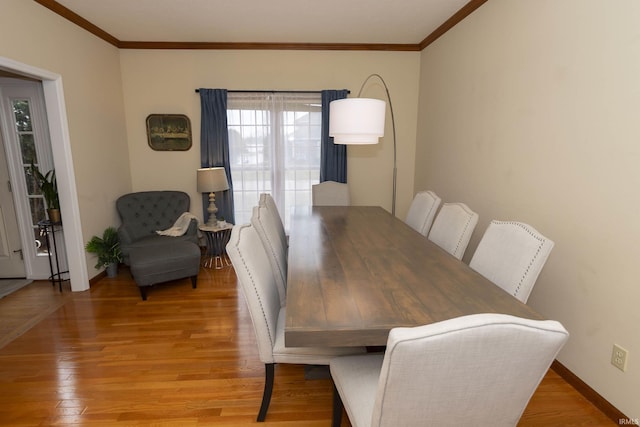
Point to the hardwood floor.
(184, 357)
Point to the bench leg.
(143, 292)
(194, 281)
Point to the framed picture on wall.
(169, 132)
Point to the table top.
(219, 227)
(356, 272)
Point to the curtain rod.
(274, 91)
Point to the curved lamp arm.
(393, 125)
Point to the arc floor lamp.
(361, 121)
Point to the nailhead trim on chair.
(464, 232)
(434, 206)
(533, 234)
(244, 263)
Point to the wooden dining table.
(356, 272)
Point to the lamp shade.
(356, 120)
(211, 180)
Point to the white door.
(23, 123)
(11, 260)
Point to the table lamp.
(361, 121)
(211, 180)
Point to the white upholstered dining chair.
(264, 223)
(478, 370)
(253, 270)
(511, 254)
(453, 227)
(422, 211)
(330, 193)
(267, 200)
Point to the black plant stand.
(47, 227)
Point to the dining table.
(356, 272)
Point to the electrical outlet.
(619, 357)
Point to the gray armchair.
(145, 212)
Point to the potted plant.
(49, 189)
(107, 248)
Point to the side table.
(46, 227)
(217, 239)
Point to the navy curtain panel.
(333, 158)
(214, 147)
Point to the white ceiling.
(274, 21)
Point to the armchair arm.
(126, 237)
(193, 228)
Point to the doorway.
(24, 127)
(62, 159)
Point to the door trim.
(36, 266)
(63, 161)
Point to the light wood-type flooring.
(185, 357)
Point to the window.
(26, 137)
(274, 147)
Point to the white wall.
(529, 110)
(90, 70)
(161, 81)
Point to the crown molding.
(70, 15)
(266, 46)
(465, 11)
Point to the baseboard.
(95, 279)
(590, 394)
